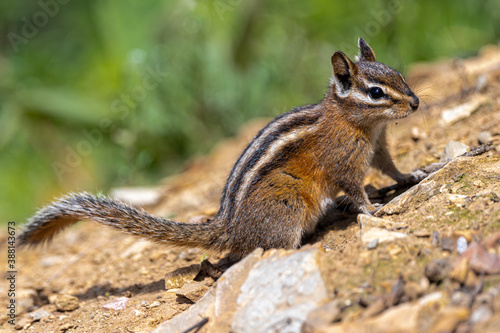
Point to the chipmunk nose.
(414, 102)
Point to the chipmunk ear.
(365, 51)
(343, 71)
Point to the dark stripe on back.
(259, 134)
(229, 195)
(283, 156)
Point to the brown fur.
(285, 179)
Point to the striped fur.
(285, 179)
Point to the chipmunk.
(285, 179)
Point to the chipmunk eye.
(376, 93)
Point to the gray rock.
(38, 314)
(262, 293)
(435, 240)
(454, 149)
(218, 304)
(280, 302)
(482, 314)
(484, 137)
(373, 244)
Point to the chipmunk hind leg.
(277, 219)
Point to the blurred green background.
(95, 94)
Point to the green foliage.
(105, 93)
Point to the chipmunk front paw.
(411, 178)
(371, 209)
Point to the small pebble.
(461, 244)
(458, 200)
(437, 270)
(155, 304)
(416, 134)
(373, 244)
(65, 327)
(484, 137)
(448, 244)
(119, 303)
(460, 271)
(435, 238)
(482, 314)
(192, 291)
(453, 149)
(39, 314)
(66, 303)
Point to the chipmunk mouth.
(403, 113)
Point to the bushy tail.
(75, 207)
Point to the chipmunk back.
(285, 179)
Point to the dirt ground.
(97, 264)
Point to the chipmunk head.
(374, 88)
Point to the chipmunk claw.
(412, 178)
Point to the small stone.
(459, 272)
(424, 283)
(484, 137)
(153, 305)
(65, 327)
(458, 200)
(38, 314)
(435, 239)
(179, 277)
(193, 291)
(461, 244)
(119, 303)
(66, 303)
(397, 292)
(482, 314)
(413, 290)
(453, 149)
(373, 244)
(417, 134)
(462, 298)
(437, 270)
(448, 243)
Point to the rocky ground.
(428, 262)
